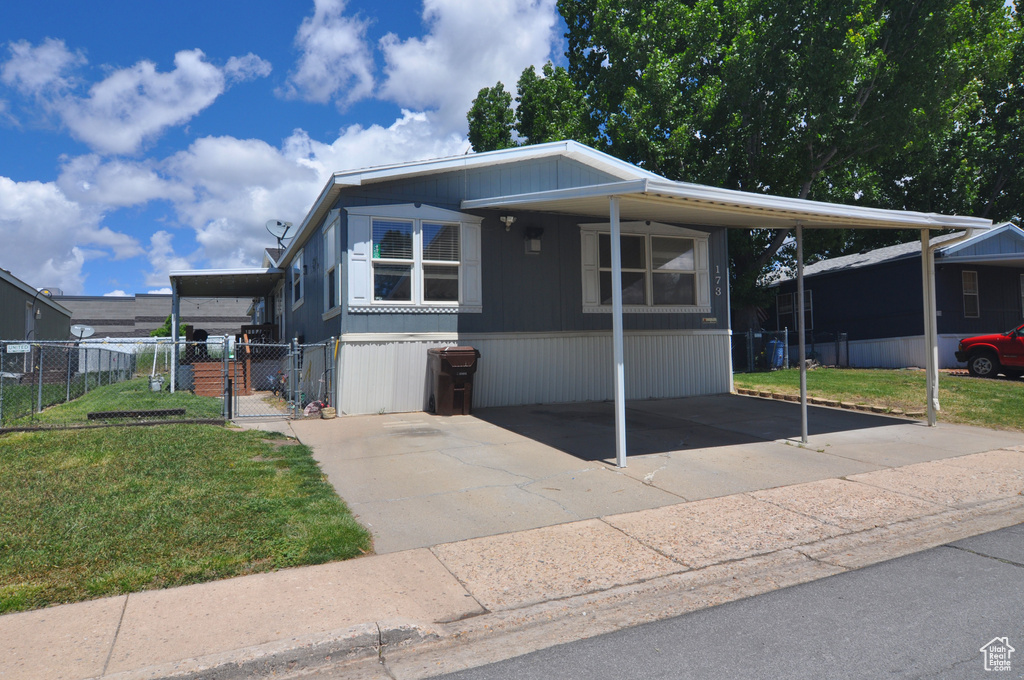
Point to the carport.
(692, 204)
(256, 282)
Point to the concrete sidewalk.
(421, 612)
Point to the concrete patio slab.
(194, 621)
(719, 529)
(943, 483)
(69, 642)
(846, 504)
(515, 570)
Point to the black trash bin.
(451, 379)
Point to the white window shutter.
(470, 280)
(360, 271)
(703, 275)
(591, 280)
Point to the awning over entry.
(239, 283)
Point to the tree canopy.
(913, 104)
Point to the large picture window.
(415, 258)
(663, 270)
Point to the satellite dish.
(279, 230)
(82, 331)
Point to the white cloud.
(162, 259)
(470, 45)
(130, 106)
(134, 105)
(35, 70)
(116, 293)
(166, 290)
(116, 183)
(336, 62)
(48, 234)
(248, 67)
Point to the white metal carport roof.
(693, 204)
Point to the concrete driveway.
(417, 480)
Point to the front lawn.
(91, 513)
(131, 395)
(972, 401)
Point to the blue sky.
(141, 137)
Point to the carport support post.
(620, 373)
(930, 340)
(801, 330)
(175, 313)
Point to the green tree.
(550, 108)
(165, 330)
(490, 119)
(870, 102)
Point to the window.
(407, 258)
(332, 281)
(972, 306)
(664, 269)
(786, 313)
(297, 280)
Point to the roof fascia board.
(251, 271)
(1010, 227)
(322, 205)
(729, 200)
(570, 149)
(29, 290)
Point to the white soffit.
(681, 203)
(238, 283)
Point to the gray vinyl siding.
(521, 293)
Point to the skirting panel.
(901, 352)
(380, 375)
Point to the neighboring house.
(134, 316)
(876, 297)
(27, 313)
(510, 252)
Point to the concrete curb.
(409, 650)
(294, 655)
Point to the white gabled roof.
(569, 149)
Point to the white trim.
(742, 206)
(360, 257)
(590, 267)
(406, 308)
(525, 335)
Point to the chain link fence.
(771, 350)
(76, 384)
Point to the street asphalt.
(927, 615)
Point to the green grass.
(131, 395)
(995, 404)
(92, 513)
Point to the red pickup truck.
(989, 355)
